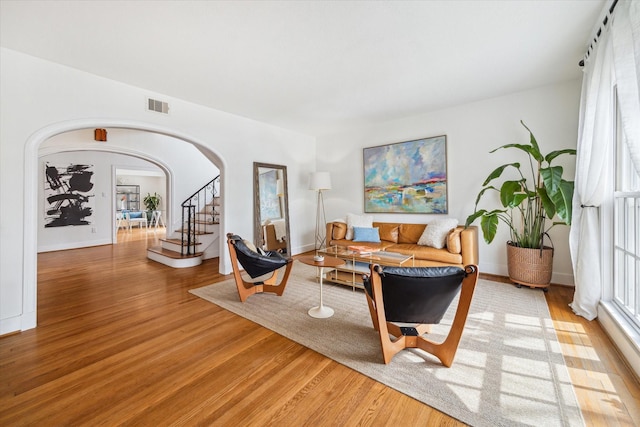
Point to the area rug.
(508, 371)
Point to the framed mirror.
(271, 208)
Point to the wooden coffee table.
(321, 311)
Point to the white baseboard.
(73, 245)
(625, 337)
(562, 279)
(502, 270)
(29, 320)
(489, 268)
(17, 323)
(11, 324)
(302, 249)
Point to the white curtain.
(613, 55)
(591, 181)
(626, 56)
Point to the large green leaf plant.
(151, 202)
(527, 202)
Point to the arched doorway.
(31, 182)
(133, 183)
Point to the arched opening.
(49, 149)
(132, 185)
(31, 182)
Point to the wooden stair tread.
(197, 233)
(172, 254)
(177, 241)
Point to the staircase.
(198, 237)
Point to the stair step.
(176, 241)
(197, 233)
(172, 254)
(208, 209)
(214, 202)
(205, 222)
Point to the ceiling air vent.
(158, 106)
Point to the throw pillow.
(435, 233)
(339, 230)
(366, 234)
(354, 220)
(454, 245)
(250, 245)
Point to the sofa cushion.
(426, 253)
(366, 234)
(435, 234)
(453, 241)
(410, 233)
(339, 230)
(388, 231)
(354, 220)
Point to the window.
(626, 239)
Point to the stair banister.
(195, 203)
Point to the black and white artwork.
(67, 195)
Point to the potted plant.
(529, 205)
(151, 203)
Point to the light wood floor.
(121, 341)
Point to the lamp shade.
(319, 181)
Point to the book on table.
(363, 250)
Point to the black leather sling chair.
(255, 265)
(419, 296)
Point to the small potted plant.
(151, 202)
(529, 205)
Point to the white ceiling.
(312, 66)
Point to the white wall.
(100, 231)
(472, 130)
(189, 168)
(149, 185)
(41, 99)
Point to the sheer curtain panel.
(613, 62)
(626, 56)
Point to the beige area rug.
(508, 370)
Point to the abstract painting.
(67, 197)
(406, 177)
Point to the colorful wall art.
(67, 198)
(406, 177)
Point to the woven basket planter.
(530, 267)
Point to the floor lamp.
(319, 181)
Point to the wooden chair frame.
(444, 351)
(248, 288)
